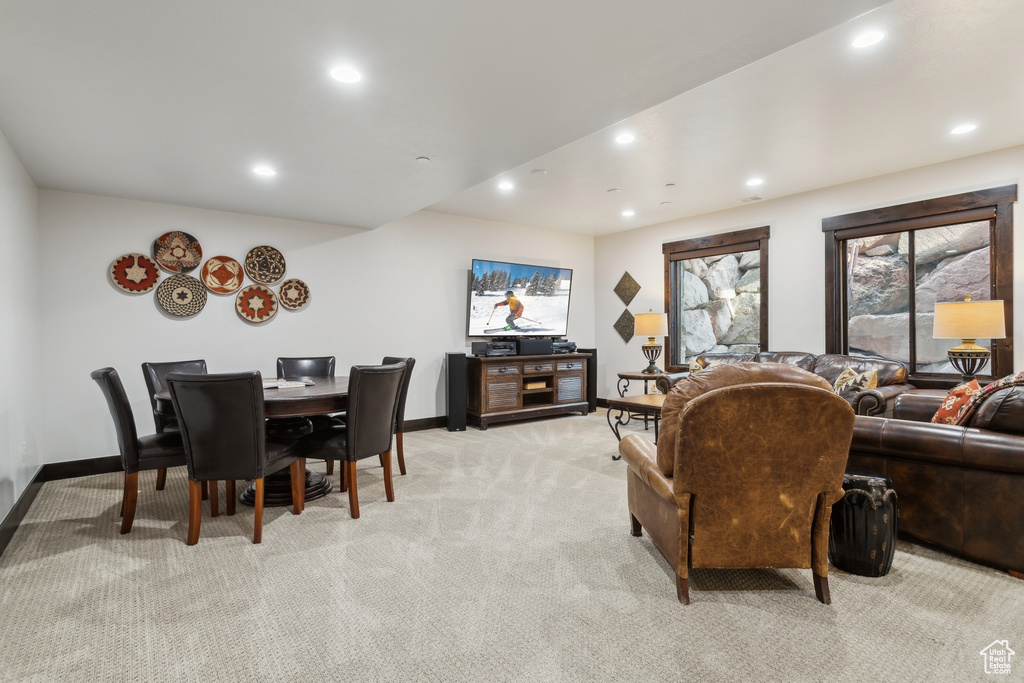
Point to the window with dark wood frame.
(753, 239)
(994, 206)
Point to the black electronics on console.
(529, 346)
(456, 391)
(561, 346)
(494, 348)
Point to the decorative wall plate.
(256, 303)
(294, 294)
(264, 265)
(624, 326)
(626, 288)
(222, 274)
(178, 252)
(135, 273)
(181, 295)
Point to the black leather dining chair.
(152, 452)
(373, 392)
(154, 374)
(400, 414)
(310, 368)
(224, 436)
(305, 368)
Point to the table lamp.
(651, 325)
(968, 321)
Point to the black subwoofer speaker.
(591, 377)
(455, 385)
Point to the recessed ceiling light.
(624, 138)
(539, 171)
(423, 160)
(963, 128)
(613, 189)
(266, 171)
(664, 203)
(754, 182)
(868, 39)
(628, 213)
(670, 184)
(346, 74)
(506, 185)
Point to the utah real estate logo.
(997, 657)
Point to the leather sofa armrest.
(879, 401)
(918, 405)
(941, 444)
(641, 456)
(665, 382)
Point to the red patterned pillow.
(954, 401)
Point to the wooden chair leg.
(634, 526)
(401, 452)
(229, 494)
(161, 478)
(330, 467)
(214, 500)
(342, 476)
(206, 490)
(683, 589)
(195, 511)
(381, 458)
(353, 495)
(1015, 574)
(298, 475)
(389, 487)
(257, 531)
(821, 589)
(129, 500)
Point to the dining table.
(287, 410)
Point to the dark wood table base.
(277, 489)
(628, 406)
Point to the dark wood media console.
(507, 388)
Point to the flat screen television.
(538, 305)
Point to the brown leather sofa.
(960, 488)
(892, 375)
(749, 462)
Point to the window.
(716, 291)
(887, 268)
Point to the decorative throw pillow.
(954, 401)
(850, 383)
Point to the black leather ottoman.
(862, 538)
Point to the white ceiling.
(176, 101)
(816, 114)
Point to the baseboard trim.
(13, 518)
(426, 423)
(71, 469)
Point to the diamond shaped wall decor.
(624, 326)
(627, 288)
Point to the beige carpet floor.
(506, 557)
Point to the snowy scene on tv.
(512, 299)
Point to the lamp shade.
(969, 320)
(651, 325)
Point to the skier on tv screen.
(515, 307)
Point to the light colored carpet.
(506, 557)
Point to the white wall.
(398, 290)
(796, 304)
(20, 455)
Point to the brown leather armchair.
(749, 461)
